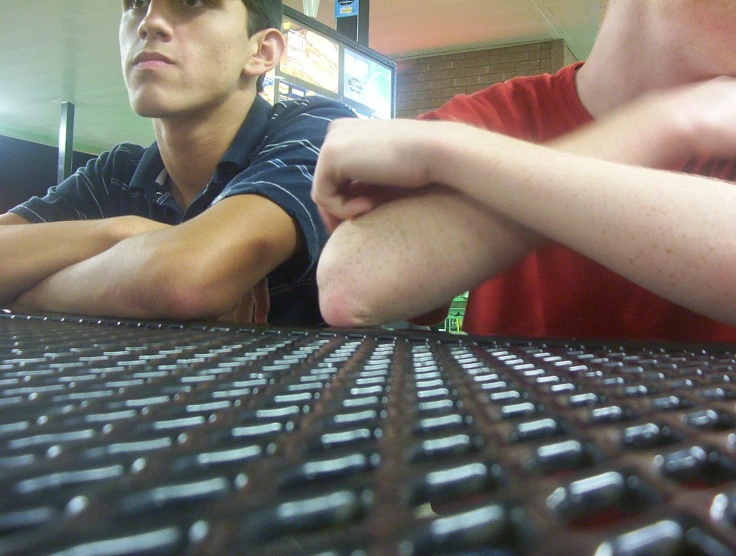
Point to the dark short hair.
(263, 14)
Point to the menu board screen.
(368, 83)
(269, 87)
(311, 57)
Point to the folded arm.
(671, 233)
(198, 270)
(410, 256)
(33, 252)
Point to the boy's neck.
(633, 55)
(191, 147)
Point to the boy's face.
(183, 57)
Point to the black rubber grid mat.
(149, 438)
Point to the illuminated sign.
(368, 83)
(346, 8)
(312, 58)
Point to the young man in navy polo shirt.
(187, 228)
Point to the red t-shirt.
(556, 292)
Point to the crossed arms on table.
(471, 203)
(128, 266)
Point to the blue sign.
(346, 8)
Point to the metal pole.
(357, 27)
(348, 26)
(66, 142)
(364, 16)
(311, 7)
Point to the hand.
(705, 113)
(363, 164)
(24, 303)
(379, 197)
(663, 128)
(330, 221)
(252, 308)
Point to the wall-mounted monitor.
(368, 83)
(321, 61)
(311, 57)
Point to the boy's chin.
(150, 106)
(147, 111)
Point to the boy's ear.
(270, 47)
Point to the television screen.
(269, 87)
(287, 91)
(368, 83)
(321, 61)
(311, 57)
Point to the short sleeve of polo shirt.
(92, 192)
(282, 167)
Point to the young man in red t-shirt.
(578, 246)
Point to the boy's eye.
(141, 4)
(134, 4)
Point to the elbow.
(185, 290)
(340, 300)
(338, 311)
(192, 300)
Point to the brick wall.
(425, 83)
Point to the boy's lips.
(146, 56)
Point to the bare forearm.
(133, 279)
(197, 270)
(412, 255)
(671, 233)
(658, 229)
(365, 264)
(94, 286)
(32, 252)
(641, 134)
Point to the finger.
(330, 221)
(245, 311)
(331, 192)
(350, 207)
(329, 197)
(262, 303)
(233, 314)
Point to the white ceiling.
(66, 50)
